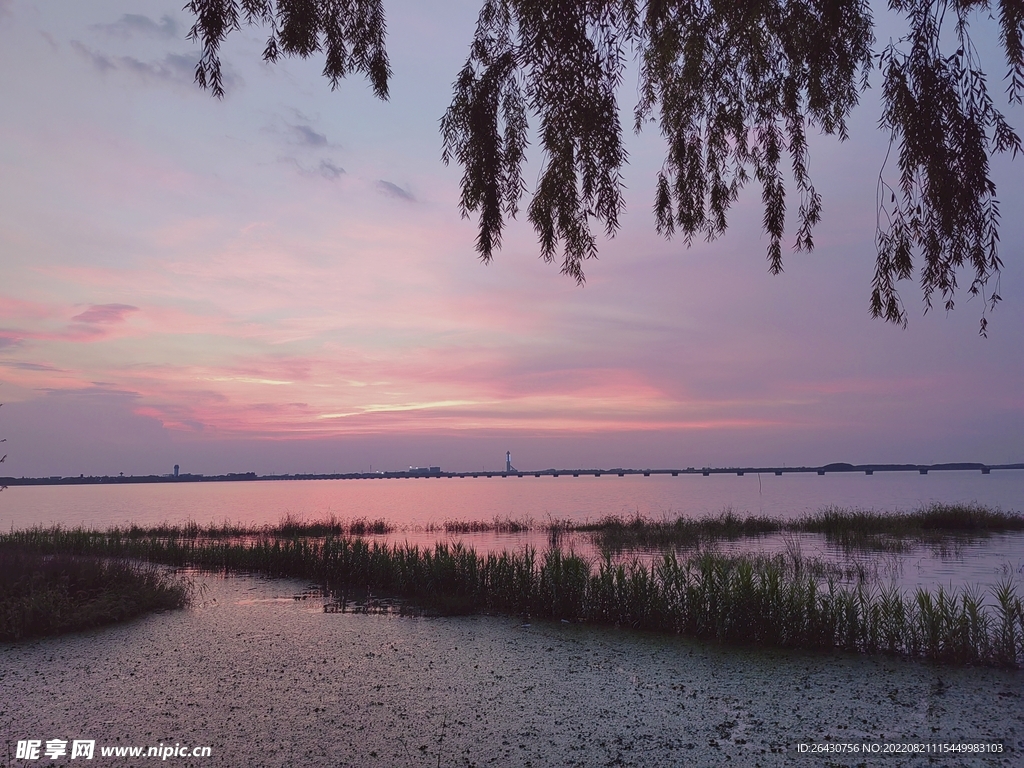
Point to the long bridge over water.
(867, 469)
(437, 472)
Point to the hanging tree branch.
(940, 114)
(734, 88)
(349, 32)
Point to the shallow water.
(984, 561)
(264, 679)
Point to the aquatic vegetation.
(941, 526)
(44, 594)
(289, 526)
(784, 600)
(638, 532)
(938, 525)
(498, 525)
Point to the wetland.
(639, 636)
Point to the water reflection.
(425, 501)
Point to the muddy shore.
(264, 679)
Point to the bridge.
(840, 468)
(437, 472)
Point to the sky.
(281, 282)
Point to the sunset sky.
(281, 282)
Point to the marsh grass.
(638, 532)
(288, 527)
(45, 594)
(784, 600)
(943, 527)
(505, 525)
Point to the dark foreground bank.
(269, 681)
(48, 594)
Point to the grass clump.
(48, 594)
(938, 525)
(288, 527)
(947, 518)
(618, 533)
(504, 525)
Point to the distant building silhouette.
(508, 462)
(424, 472)
(175, 470)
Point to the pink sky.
(281, 282)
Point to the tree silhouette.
(734, 86)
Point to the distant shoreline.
(420, 472)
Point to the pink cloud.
(10, 339)
(107, 314)
(11, 307)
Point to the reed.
(505, 525)
(639, 532)
(785, 600)
(940, 525)
(45, 594)
(943, 526)
(287, 527)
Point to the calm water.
(420, 501)
(413, 504)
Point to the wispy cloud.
(22, 366)
(307, 137)
(9, 339)
(393, 190)
(133, 24)
(173, 68)
(100, 61)
(35, 310)
(329, 170)
(106, 314)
